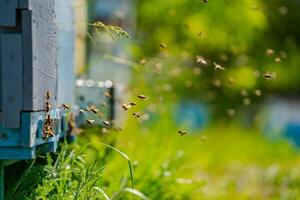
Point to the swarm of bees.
(48, 123)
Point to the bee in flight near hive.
(201, 60)
(218, 67)
(136, 114)
(142, 97)
(94, 109)
(66, 106)
(106, 123)
(163, 45)
(81, 111)
(90, 122)
(268, 75)
(182, 132)
(107, 95)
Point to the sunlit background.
(221, 114)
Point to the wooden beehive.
(29, 68)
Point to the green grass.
(233, 163)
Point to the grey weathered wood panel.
(66, 38)
(12, 79)
(8, 12)
(40, 38)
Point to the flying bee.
(143, 62)
(94, 109)
(103, 104)
(136, 114)
(244, 92)
(257, 93)
(48, 95)
(231, 112)
(163, 45)
(205, 1)
(81, 111)
(90, 122)
(201, 60)
(106, 123)
(126, 106)
(218, 67)
(107, 95)
(142, 97)
(267, 75)
(182, 132)
(270, 52)
(132, 103)
(200, 34)
(231, 80)
(66, 106)
(278, 60)
(246, 101)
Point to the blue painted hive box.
(30, 67)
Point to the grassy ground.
(232, 163)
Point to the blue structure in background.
(282, 120)
(192, 115)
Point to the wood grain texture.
(66, 38)
(40, 37)
(12, 79)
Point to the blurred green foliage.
(232, 33)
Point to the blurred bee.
(66, 106)
(201, 60)
(163, 45)
(200, 34)
(48, 106)
(48, 95)
(103, 104)
(142, 97)
(81, 111)
(136, 114)
(218, 67)
(278, 60)
(132, 103)
(106, 123)
(107, 95)
(90, 122)
(268, 75)
(231, 80)
(244, 92)
(257, 93)
(126, 107)
(205, 1)
(182, 132)
(94, 109)
(143, 62)
(270, 52)
(231, 112)
(246, 101)
(203, 138)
